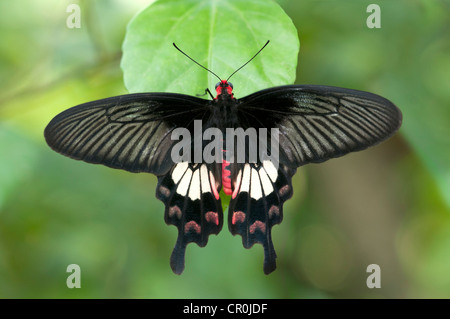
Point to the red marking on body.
(238, 217)
(226, 173)
(258, 225)
(212, 217)
(218, 91)
(192, 226)
(226, 177)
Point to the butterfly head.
(224, 88)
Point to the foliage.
(388, 205)
(235, 32)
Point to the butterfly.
(134, 132)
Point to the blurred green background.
(388, 205)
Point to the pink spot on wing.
(258, 225)
(274, 210)
(212, 217)
(192, 226)
(175, 211)
(164, 191)
(238, 217)
(284, 190)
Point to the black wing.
(259, 191)
(133, 132)
(130, 132)
(191, 195)
(317, 123)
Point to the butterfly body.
(224, 115)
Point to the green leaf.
(219, 34)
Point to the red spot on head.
(212, 217)
(258, 225)
(224, 84)
(229, 89)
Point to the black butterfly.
(133, 132)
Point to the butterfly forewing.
(130, 132)
(317, 123)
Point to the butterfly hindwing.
(190, 194)
(257, 204)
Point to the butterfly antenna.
(249, 60)
(196, 62)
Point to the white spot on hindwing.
(270, 170)
(245, 186)
(179, 171)
(183, 186)
(265, 181)
(255, 192)
(194, 180)
(194, 188)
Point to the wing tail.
(190, 193)
(257, 205)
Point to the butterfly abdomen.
(224, 116)
(226, 176)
